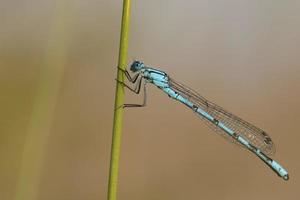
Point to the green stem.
(119, 101)
(43, 112)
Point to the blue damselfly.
(223, 122)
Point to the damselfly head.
(136, 66)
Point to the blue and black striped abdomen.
(216, 114)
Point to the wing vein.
(253, 134)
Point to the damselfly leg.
(136, 88)
(138, 105)
(129, 78)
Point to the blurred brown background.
(57, 68)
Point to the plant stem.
(43, 111)
(119, 101)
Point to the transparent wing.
(255, 135)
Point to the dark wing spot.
(268, 140)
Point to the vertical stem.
(31, 167)
(119, 100)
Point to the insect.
(223, 122)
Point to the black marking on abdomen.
(252, 146)
(235, 135)
(215, 121)
(195, 108)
